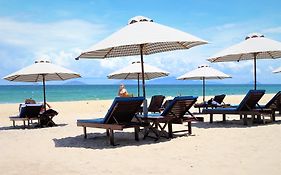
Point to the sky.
(60, 30)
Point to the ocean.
(18, 93)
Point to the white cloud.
(49, 36)
(23, 42)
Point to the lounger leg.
(107, 132)
(241, 117)
(252, 119)
(170, 130)
(85, 132)
(223, 117)
(258, 118)
(189, 127)
(14, 123)
(211, 118)
(245, 120)
(273, 116)
(24, 124)
(111, 137)
(137, 129)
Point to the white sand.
(212, 149)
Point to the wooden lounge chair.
(218, 99)
(246, 107)
(28, 112)
(156, 103)
(118, 117)
(274, 104)
(175, 113)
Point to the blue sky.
(61, 30)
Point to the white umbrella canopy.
(134, 72)
(140, 30)
(203, 72)
(255, 46)
(141, 37)
(42, 71)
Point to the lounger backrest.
(123, 109)
(219, 98)
(156, 103)
(250, 100)
(275, 101)
(179, 106)
(30, 110)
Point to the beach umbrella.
(278, 70)
(42, 71)
(133, 72)
(255, 46)
(203, 72)
(141, 37)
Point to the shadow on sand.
(30, 127)
(231, 124)
(100, 141)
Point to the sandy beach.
(218, 148)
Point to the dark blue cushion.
(110, 110)
(116, 101)
(222, 109)
(22, 111)
(98, 120)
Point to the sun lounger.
(274, 104)
(156, 103)
(215, 102)
(246, 107)
(28, 112)
(118, 117)
(176, 112)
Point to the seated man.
(29, 101)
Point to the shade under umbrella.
(255, 46)
(203, 72)
(133, 72)
(42, 71)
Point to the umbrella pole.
(142, 70)
(138, 84)
(203, 89)
(255, 72)
(145, 111)
(44, 92)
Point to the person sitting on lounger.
(29, 101)
(122, 91)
